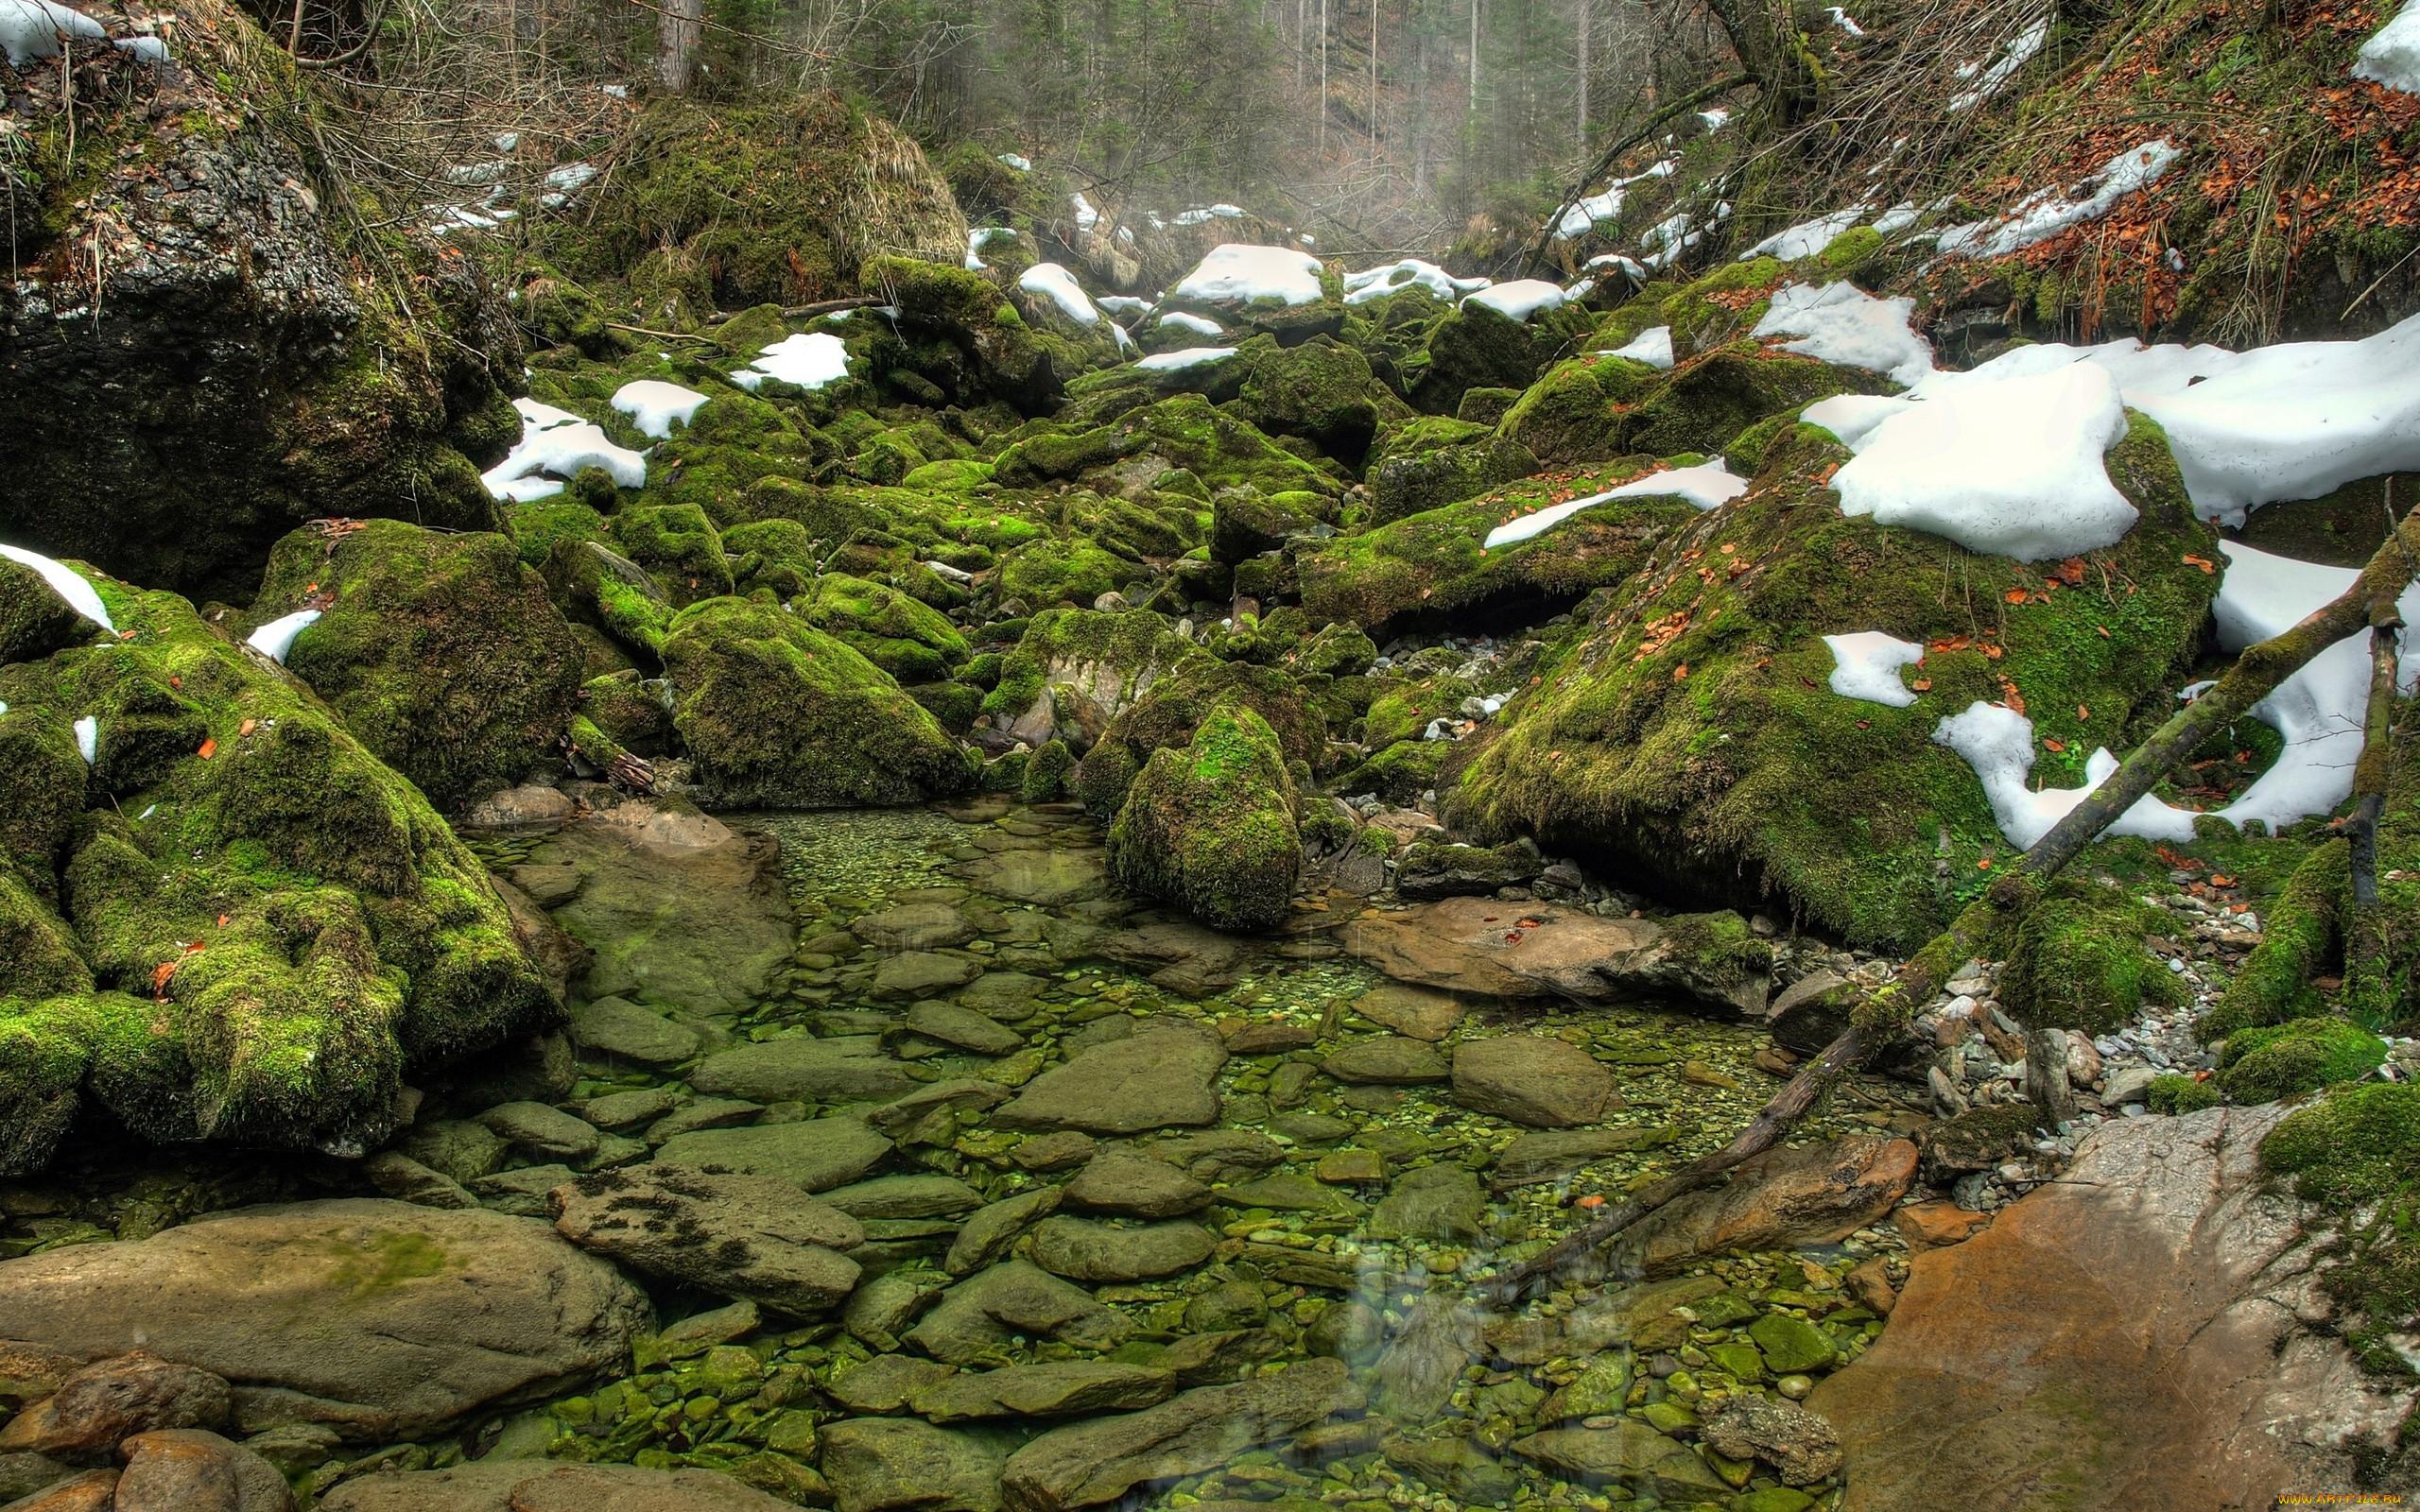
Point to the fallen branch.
(808, 312)
(1604, 165)
(1882, 1019)
(2365, 949)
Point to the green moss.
(2175, 1095)
(440, 653)
(2299, 930)
(1172, 710)
(1048, 771)
(2079, 962)
(34, 620)
(1716, 948)
(1210, 826)
(1052, 572)
(896, 633)
(678, 547)
(954, 704)
(1130, 650)
(629, 709)
(2353, 1153)
(536, 527)
(1321, 391)
(953, 475)
(1400, 773)
(2299, 1055)
(776, 711)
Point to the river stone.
(1056, 1391)
(1531, 1079)
(193, 1469)
(1182, 956)
(675, 905)
(1777, 1201)
(1602, 1388)
(1162, 1075)
(914, 927)
(1004, 995)
(1087, 1251)
(1434, 1202)
(992, 1230)
(546, 1130)
(1216, 1154)
(896, 1464)
(113, 1399)
(1791, 1346)
(1310, 1128)
(1456, 1467)
(882, 1385)
(617, 1028)
(1798, 1444)
(1215, 1359)
(922, 973)
(1387, 1061)
(458, 1148)
(703, 1113)
(398, 1175)
(1551, 1155)
(620, 1111)
(848, 1070)
(880, 1307)
(22, 1475)
(2151, 1326)
(389, 1320)
(1639, 1316)
(1494, 948)
(963, 1095)
(1421, 1365)
(755, 1237)
(1049, 879)
(1097, 1462)
(954, 1024)
(522, 1191)
(1128, 1182)
(980, 1313)
(1629, 1455)
(534, 1486)
(1416, 1012)
(1287, 1193)
(815, 1155)
(921, 1195)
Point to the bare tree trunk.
(1322, 77)
(677, 31)
(1373, 80)
(1474, 55)
(1580, 134)
(2364, 936)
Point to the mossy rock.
(1170, 713)
(2299, 1055)
(610, 594)
(735, 441)
(2353, 1153)
(34, 620)
(44, 779)
(1052, 571)
(1321, 391)
(777, 713)
(1111, 660)
(677, 546)
(440, 653)
(1435, 462)
(1400, 773)
(955, 334)
(1694, 736)
(1475, 347)
(2079, 962)
(630, 710)
(1244, 523)
(1597, 406)
(775, 554)
(276, 924)
(536, 527)
(896, 633)
(1209, 826)
(1431, 569)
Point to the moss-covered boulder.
(1209, 826)
(1172, 709)
(1244, 523)
(1433, 569)
(2079, 962)
(34, 620)
(1053, 571)
(1321, 391)
(441, 653)
(677, 546)
(957, 333)
(1433, 462)
(1075, 670)
(1476, 347)
(1594, 406)
(909, 639)
(610, 594)
(270, 926)
(775, 711)
(2299, 1055)
(1694, 733)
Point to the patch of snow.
(2392, 56)
(1716, 118)
(619, 92)
(2046, 212)
(1708, 486)
(1999, 744)
(508, 141)
(1866, 665)
(1058, 286)
(1897, 218)
(1653, 346)
(1239, 270)
(275, 639)
(1582, 217)
(571, 177)
(1668, 238)
(1842, 323)
(2012, 468)
(477, 173)
(1843, 20)
(982, 236)
(1520, 299)
(810, 361)
(1377, 283)
(654, 404)
(558, 442)
(1194, 323)
(88, 739)
(67, 582)
(1227, 212)
(2013, 56)
(1023, 164)
(31, 28)
(150, 49)
(1184, 358)
(1807, 238)
(1631, 267)
(1086, 216)
(1123, 303)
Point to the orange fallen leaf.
(1922, 684)
(2102, 630)
(222, 921)
(1681, 673)
(248, 726)
(2083, 713)
(209, 748)
(2016, 595)
(2221, 882)
(1591, 1200)
(160, 975)
(2202, 563)
(1985, 865)
(2055, 744)
(1994, 652)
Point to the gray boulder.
(756, 1237)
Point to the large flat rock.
(1483, 945)
(814, 1156)
(2129, 1335)
(1782, 1199)
(1162, 1076)
(534, 1486)
(385, 1320)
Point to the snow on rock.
(1058, 286)
(558, 442)
(2046, 212)
(982, 236)
(1237, 270)
(1705, 487)
(1668, 238)
(1023, 164)
(2011, 467)
(275, 639)
(1653, 346)
(67, 582)
(1520, 299)
(1842, 323)
(31, 28)
(1866, 665)
(1123, 304)
(654, 404)
(809, 361)
(1844, 21)
(1377, 283)
(1897, 218)
(1999, 744)
(1086, 216)
(1630, 266)
(2013, 56)
(88, 739)
(1807, 238)
(2392, 56)
(1187, 357)
(1194, 323)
